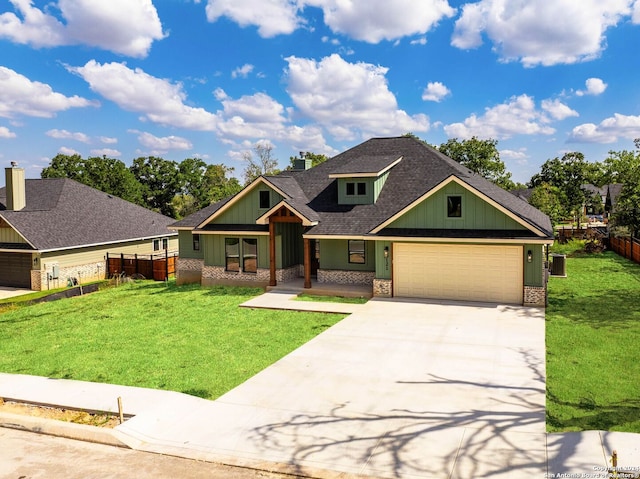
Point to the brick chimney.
(16, 194)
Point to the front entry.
(315, 257)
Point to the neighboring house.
(55, 228)
(392, 213)
(613, 191)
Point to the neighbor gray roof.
(61, 213)
(422, 168)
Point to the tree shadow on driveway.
(500, 432)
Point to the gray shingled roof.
(61, 213)
(422, 168)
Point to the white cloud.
(128, 27)
(520, 155)
(108, 141)
(68, 135)
(608, 131)
(6, 133)
(259, 116)
(243, 71)
(68, 151)
(134, 90)
(108, 152)
(595, 86)
(376, 20)
(272, 17)
(367, 20)
(519, 116)
(348, 99)
(21, 96)
(435, 91)
(557, 109)
(635, 18)
(539, 32)
(162, 144)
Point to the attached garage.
(15, 270)
(489, 273)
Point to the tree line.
(175, 189)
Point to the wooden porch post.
(272, 254)
(307, 263)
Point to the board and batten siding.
(185, 240)
(476, 213)
(334, 254)
(534, 271)
(247, 209)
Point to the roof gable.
(251, 213)
(478, 213)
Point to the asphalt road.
(26, 455)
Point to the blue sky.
(211, 78)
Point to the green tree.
(550, 200)
(219, 182)
(625, 169)
(568, 174)
(480, 156)
(161, 182)
(264, 164)
(105, 174)
(65, 166)
(114, 177)
(201, 185)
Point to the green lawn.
(188, 339)
(593, 345)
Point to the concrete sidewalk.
(396, 389)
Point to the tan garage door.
(15, 270)
(458, 272)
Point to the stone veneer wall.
(189, 270)
(345, 277)
(535, 296)
(383, 288)
(218, 274)
(82, 272)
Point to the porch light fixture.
(386, 252)
(529, 256)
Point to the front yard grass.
(593, 345)
(182, 338)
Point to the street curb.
(54, 427)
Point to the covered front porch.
(297, 286)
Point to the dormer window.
(353, 188)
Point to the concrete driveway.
(398, 389)
(9, 292)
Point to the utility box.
(559, 265)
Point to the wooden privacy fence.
(565, 234)
(157, 266)
(627, 247)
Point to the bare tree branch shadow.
(494, 438)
